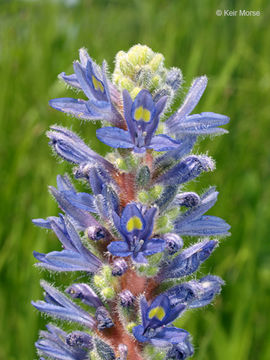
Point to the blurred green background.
(38, 40)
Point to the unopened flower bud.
(123, 352)
(135, 92)
(156, 81)
(180, 351)
(82, 171)
(95, 233)
(173, 243)
(157, 62)
(85, 294)
(108, 293)
(174, 78)
(165, 91)
(104, 350)
(143, 196)
(143, 176)
(130, 326)
(126, 67)
(126, 83)
(187, 199)
(139, 54)
(79, 339)
(126, 298)
(119, 267)
(103, 318)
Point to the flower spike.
(127, 230)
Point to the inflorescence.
(126, 235)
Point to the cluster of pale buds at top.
(127, 238)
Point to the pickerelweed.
(127, 237)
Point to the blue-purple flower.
(188, 261)
(92, 80)
(207, 123)
(58, 305)
(74, 257)
(154, 320)
(136, 226)
(195, 293)
(142, 118)
(71, 147)
(194, 222)
(57, 344)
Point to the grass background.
(38, 40)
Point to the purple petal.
(139, 258)
(76, 241)
(82, 218)
(149, 217)
(194, 94)
(189, 260)
(70, 80)
(196, 293)
(84, 57)
(204, 226)
(163, 143)
(143, 99)
(138, 334)
(127, 102)
(72, 106)
(132, 217)
(161, 301)
(200, 124)
(63, 236)
(119, 248)
(169, 335)
(45, 223)
(64, 184)
(143, 307)
(99, 92)
(188, 169)
(153, 246)
(82, 79)
(152, 126)
(185, 146)
(115, 137)
(65, 260)
(83, 201)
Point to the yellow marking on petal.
(138, 113)
(157, 312)
(134, 223)
(97, 84)
(142, 114)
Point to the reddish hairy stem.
(126, 183)
(117, 334)
(130, 280)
